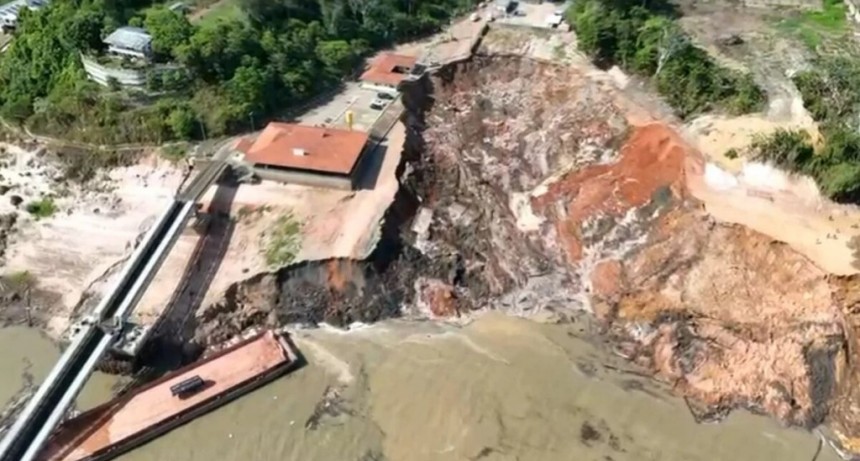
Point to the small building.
(10, 11)
(299, 154)
(387, 70)
(178, 7)
(129, 41)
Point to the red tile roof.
(382, 69)
(326, 150)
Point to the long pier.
(98, 331)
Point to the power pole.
(202, 128)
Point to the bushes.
(284, 242)
(831, 93)
(641, 37)
(41, 208)
(835, 168)
(831, 90)
(787, 149)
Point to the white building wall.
(101, 74)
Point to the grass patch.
(42, 208)
(815, 27)
(219, 11)
(20, 279)
(284, 241)
(174, 153)
(830, 18)
(83, 165)
(248, 211)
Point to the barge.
(149, 411)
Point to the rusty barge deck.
(151, 410)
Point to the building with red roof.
(388, 70)
(317, 156)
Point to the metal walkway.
(49, 404)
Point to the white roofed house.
(9, 12)
(133, 42)
(127, 60)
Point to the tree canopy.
(279, 54)
(642, 37)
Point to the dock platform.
(147, 412)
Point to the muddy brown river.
(499, 388)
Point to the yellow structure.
(350, 116)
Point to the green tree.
(249, 88)
(337, 57)
(182, 121)
(84, 30)
(169, 30)
(286, 53)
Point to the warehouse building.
(313, 156)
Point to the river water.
(499, 388)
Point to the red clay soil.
(728, 316)
(606, 278)
(652, 158)
(440, 297)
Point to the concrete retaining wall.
(799, 4)
(101, 74)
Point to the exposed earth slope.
(576, 204)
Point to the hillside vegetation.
(831, 93)
(236, 69)
(642, 37)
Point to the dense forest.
(235, 70)
(642, 37)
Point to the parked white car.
(555, 19)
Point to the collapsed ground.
(513, 201)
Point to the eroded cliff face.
(727, 315)
(542, 196)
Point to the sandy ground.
(715, 135)
(788, 209)
(92, 230)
